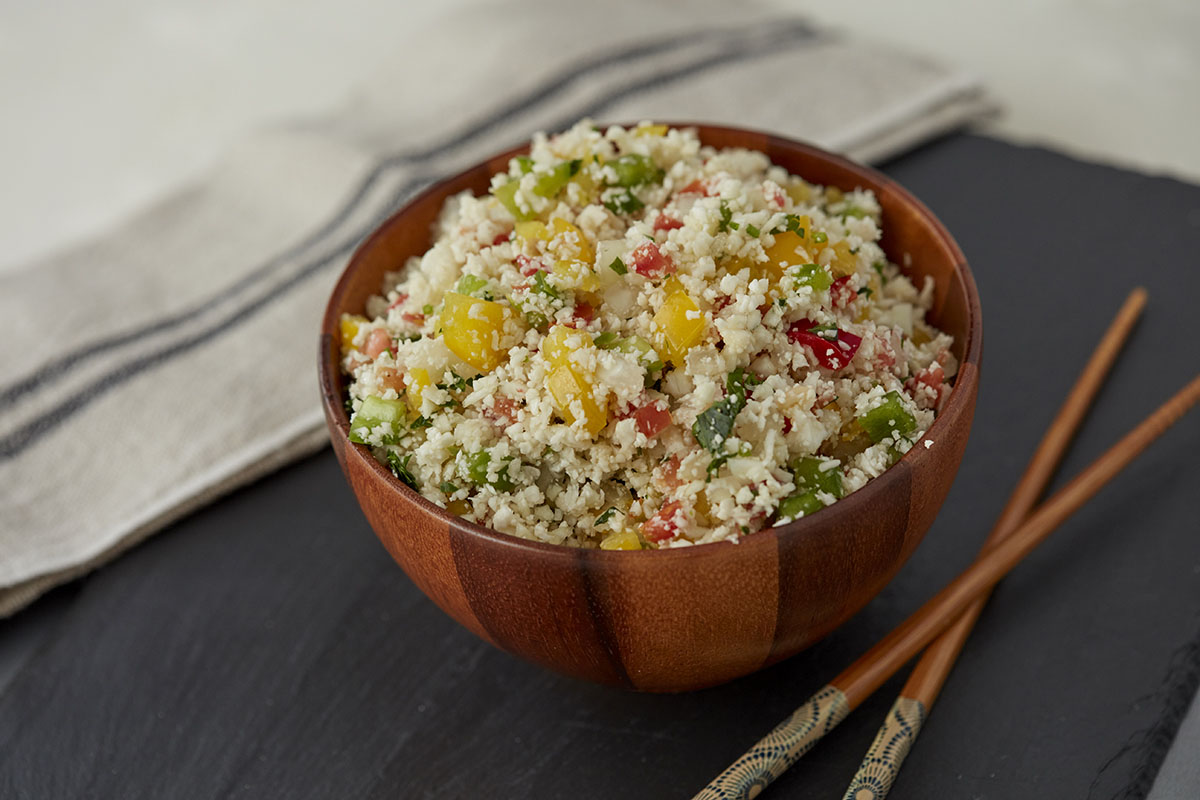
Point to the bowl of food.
(657, 405)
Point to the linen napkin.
(152, 370)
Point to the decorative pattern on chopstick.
(892, 743)
(780, 748)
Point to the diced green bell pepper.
(800, 504)
(550, 183)
(813, 275)
(635, 169)
(889, 419)
(507, 195)
(808, 475)
(477, 471)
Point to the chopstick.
(793, 737)
(882, 762)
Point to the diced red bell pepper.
(503, 411)
(500, 239)
(652, 418)
(831, 353)
(696, 187)
(840, 293)
(527, 265)
(651, 262)
(398, 301)
(664, 223)
(662, 526)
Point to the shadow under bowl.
(686, 618)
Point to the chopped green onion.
(427, 309)
(727, 222)
(752, 231)
(820, 237)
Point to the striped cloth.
(151, 371)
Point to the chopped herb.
(618, 266)
(824, 331)
(542, 286)
(752, 231)
(866, 290)
(878, 267)
(427, 309)
(399, 467)
(622, 201)
(349, 405)
(458, 384)
(421, 422)
(606, 516)
(714, 425)
(448, 488)
(727, 222)
(820, 237)
(714, 466)
(782, 302)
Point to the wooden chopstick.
(793, 737)
(903, 723)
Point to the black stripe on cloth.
(25, 436)
(542, 93)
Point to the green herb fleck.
(427, 309)
(448, 488)
(606, 516)
(622, 201)
(727, 222)
(399, 467)
(752, 231)
(618, 266)
(542, 286)
(421, 422)
(866, 290)
(820, 237)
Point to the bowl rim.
(329, 373)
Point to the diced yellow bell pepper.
(418, 381)
(349, 328)
(650, 130)
(570, 243)
(844, 262)
(623, 540)
(800, 192)
(569, 389)
(472, 329)
(459, 507)
(679, 324)
(531, 230)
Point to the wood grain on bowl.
(676, 619)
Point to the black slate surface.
(268, 647)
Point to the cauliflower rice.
(638, 341)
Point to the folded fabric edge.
(305, 437)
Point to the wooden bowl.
(676, 619)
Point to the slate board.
(267, 646)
